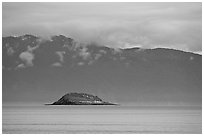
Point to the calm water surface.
(101, 119)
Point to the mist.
(117, 25)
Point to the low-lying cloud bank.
(124, 25)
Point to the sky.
(117, 25)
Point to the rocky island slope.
(80, 99)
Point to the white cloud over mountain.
(84, 53)
(27, 58)
(124, 25)
(60, 54)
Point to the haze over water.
(102, 119)
(134, 54)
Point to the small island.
(80, 99)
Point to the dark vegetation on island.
(80, 99)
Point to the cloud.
(124, 25)
(83, 52)
(31, 49)
(27, 58)
(90, 62)
(20, 66)
(61, 55)
(116, 51)
(80, 63)
(102, 51)
(10, 51)
(97, 56)
(57, 64)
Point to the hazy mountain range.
(42, 70)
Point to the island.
(80, 99)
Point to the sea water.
(102, 119)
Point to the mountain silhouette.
(36, 69)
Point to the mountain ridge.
(45, 68)
(57, 47)
(61, 35)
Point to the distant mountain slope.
(41, 70)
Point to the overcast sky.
(147, 25)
